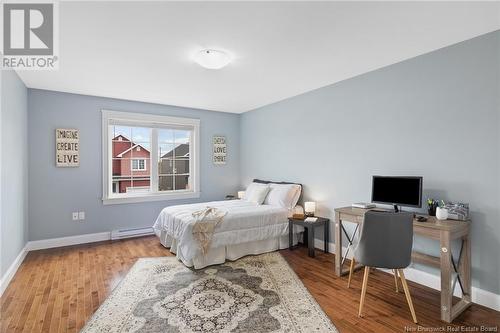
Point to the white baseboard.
(486, 298)
(7, 277)
(479, 296)
(67, 241)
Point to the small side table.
(321, 221)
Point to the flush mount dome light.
(212, 59)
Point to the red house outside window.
(130, 161)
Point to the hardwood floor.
(384, 309)
(57, 290)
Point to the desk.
(444, 232)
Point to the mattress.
(244, 222)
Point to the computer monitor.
(397, 191)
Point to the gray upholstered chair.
(386, 242)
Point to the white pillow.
(256, 193)
(283, 195)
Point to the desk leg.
(326, 235)
(465, 268)
(446, 292)
(290, 235)
(310, 240)
(338, 245)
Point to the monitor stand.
(396, 209)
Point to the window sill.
(149, 197)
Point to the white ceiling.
(141, 50)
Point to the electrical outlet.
(81, 215)
(75, 216)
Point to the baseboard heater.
(129, 233)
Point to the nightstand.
(321, 221)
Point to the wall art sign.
(67, 147)
(220, 150)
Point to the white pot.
(441, 213)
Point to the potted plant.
(433, 204)
(441, 211)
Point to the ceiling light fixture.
(212, 59)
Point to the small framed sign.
(67, 147)
(220, 150)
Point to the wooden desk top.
(432, 222)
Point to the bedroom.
(102, 150)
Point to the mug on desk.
(441, 213)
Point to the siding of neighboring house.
(137, 152)
(175, 162)
(124, 177)
(120, 144)
(140, 178)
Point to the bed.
(248, 228)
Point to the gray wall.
(14, 168)
(435, 115)
(56, 192)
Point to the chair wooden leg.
(351, 269)
(363, 291)
(396, 279)
(407, 294)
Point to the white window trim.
(138, 189)
(138, 164)
(155, 121)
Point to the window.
(138, 164)
(149, 157)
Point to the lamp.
(241, 194)
(309, 208)
(212, 59)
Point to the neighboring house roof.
(120, 138)
(133, 147)
(181, 150)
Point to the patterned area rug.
(253, 294)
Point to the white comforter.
(244, 222)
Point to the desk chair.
(386, 242)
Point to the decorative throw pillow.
(283, 195)
(256, 193)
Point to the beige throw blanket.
(206, 220)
